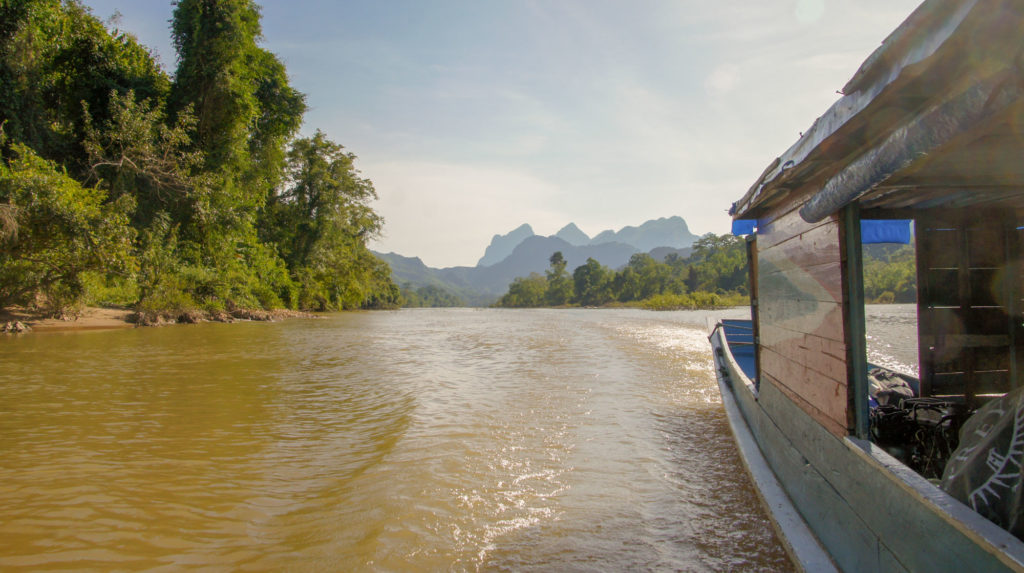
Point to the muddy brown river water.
(417, 440)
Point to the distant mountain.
(411, 271)
(533, 254)
(502, 245)
(481, 286)
(573, 235)
(521, 252)
(664, 232)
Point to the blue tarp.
(885, 231)
(744, 226)
(871, 230)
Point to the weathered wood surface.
(969, 328)
(870, 517)
(824, 419)
(786, 279)
(787, 225)
(809, 247)
(780, 337)
(800, 314)
(826, 395)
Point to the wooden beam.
(856, 343)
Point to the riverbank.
(97, 318)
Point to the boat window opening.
(920, 431)
(955, 293)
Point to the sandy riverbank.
(94, 318)
(91, 318)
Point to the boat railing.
(739, 336)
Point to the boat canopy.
(934, 119)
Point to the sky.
(472, 117)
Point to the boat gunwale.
(803, 547)
(992, 538)
(972, 524)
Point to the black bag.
(985, 470)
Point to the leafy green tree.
(193, 164)
(429, 296)
(526, 292)
(559, 283)
(592, 282)
(326, 201)
(321, 222)
(716, 271)
(135, 152)
(890, 274)
(244, 106)
(642, 278)
(62, 231)
(718, 264)
(55, 57)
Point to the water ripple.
(455, 440)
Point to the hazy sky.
(475, 116)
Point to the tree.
(890, 274)
(525, 292)
(429, 296)
(55, 56)
(592, 282)
(559, 284)
(321, 221)
(642, 278)
(137, 153)
(714, 274)
(718, 263)
(245, 108)
(325, 200)
(194, 164)
(62, 231)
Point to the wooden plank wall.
(969, 338)
(803, 352)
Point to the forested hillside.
(179, 195)
(715, 274)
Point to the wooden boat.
(930, 130)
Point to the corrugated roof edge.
(917, 38)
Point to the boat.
(925, 146)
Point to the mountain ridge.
(489, 279)
(502, 245)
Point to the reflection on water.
(892, 336)
(413, 441)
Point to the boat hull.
(867, 511)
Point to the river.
(417, 440)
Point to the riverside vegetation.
(714, 275)
(191, 196)
(183, 197)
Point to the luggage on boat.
(887, 387)
(922, 433)
(985, 470)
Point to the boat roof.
(934, 118)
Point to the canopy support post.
(856, 344)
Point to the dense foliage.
(184, 195)
(715, 274)
(890, 274)
(429, 296)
